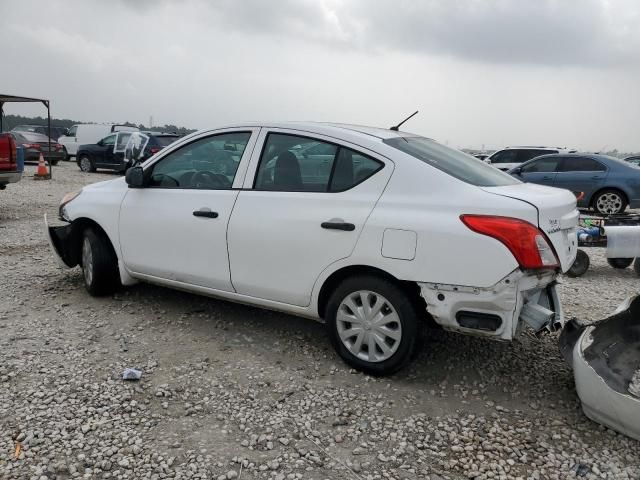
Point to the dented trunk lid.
(557, 215)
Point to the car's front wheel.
(620, 263)
(99, 264)
(373, 324)
(610, 201)
(85, 164)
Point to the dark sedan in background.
(56, 132)
(34, 144)
(109, 152)
(606, 184)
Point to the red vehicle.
(9, 172)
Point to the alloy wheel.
(368, 326)
(609, 202)
(85, 164)
(87, 261)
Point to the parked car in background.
(85, 134)
(35, 144)
(634, 160)
(56, 132)
(109, 152)
(606, 184)
(481, 156)
(511, 157)
(371, 230)
(9, 170)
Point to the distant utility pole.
(150, 121)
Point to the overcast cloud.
(492, 72)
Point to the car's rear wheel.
(85, 164)
(610, 201)
(54, 162)
(99, 264)
(66, 154)
(372, 324)
(580, 265)
(620, 263)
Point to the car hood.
(557, 215)
(114, 184)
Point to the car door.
(102, 151)
(541, 171)
(297, 215)
(581, 174)
(175, 228)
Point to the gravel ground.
(229, 391)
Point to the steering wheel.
(204, 179)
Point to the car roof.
(330, 129)
(595, 156)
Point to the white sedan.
(375, 231)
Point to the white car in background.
(511, 157)
(377, 232)
(88, 134)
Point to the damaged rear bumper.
(61, 240)
(500, 310)
(605, 358)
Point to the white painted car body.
(89, 133)
(266, 248)
(511, 157)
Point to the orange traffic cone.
(42, 173)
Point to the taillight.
(154, 150)
(31, 145)
(528, 244)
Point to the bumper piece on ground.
(605, 357)
(62, 240)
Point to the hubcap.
(85, 164)
(369, 326)
(87, 261)
(609, 203)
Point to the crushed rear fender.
(605, 357)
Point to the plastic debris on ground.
(131, 374)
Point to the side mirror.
(135, 177)
(517, 170)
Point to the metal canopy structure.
(17, 99)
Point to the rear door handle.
(347, 227)
(205, 213)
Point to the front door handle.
(344, 226)
(205, 213)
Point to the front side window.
(453, 162)
(208, 163)
(72, 131)
(546, 165)
(505, 156)
(581, 164)
(109, 141)
(292, 163)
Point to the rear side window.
(581, 164)
(453, 162)
(291, 163)
(165, 141)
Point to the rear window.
(165, 141)
(457, 164)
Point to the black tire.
(620, 263)
(66, 157)
(99, 264)
(580, 265)
(405, 308)
(86, 164)
(54, 162)
(609, 201)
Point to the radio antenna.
(395, 129)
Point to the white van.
(90, 133)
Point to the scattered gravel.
(229, 391)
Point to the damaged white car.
(377, 232)
(605, 357)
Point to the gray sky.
(492, 72)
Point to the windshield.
(457, 164)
